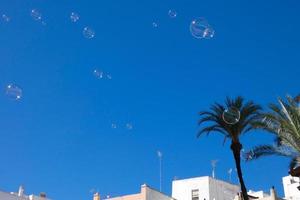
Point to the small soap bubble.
(108, 76)
(129, 126)
(5, 18)
(113, 125)
(154, 24)
(88, 33)
(98, 73)
(13, 92)
(74, 17)
(172, 13)
(36, 15)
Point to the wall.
(9, 196)
(209, 189)
(152, 194)
(221, 190)
(182, 189)
(129, 197)
(290, 185)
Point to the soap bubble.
(36, 15)
(5, 18)
(13, 92)
(88, 33)
(231, 115)
(200, 28)
(248, 155)
(113, 125)
(74, 17)
(172, 13)
(129, 126)
(108, 76)
(154, 24)
(98, 73)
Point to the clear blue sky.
(59, 139)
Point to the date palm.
(283, 120)
(211, 121)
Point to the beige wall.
(146, 193)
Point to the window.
(195, 194)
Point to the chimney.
(273, 193)
(21, 191)
(96, 196)
(43, 195)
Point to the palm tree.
(213, 121)
(283, 121)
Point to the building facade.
(146, 193)
(21, 196)
(203, 188)
(291, 187)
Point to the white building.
(21, 196)
(291, 186)
(146, 193)
(203, 188)
(260, 195)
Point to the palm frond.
(212, 120)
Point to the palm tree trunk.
(236, 148)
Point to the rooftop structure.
(146, 193)
(21, 196)
(260, 195)
(203, 188)
(291, 186)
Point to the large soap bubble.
(231, 115)
(13, 92)
(200, 28)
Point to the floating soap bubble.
(108, 76)
(88, 33)
(231, 115)
(113, 125)
(154, 24)
(200, 28)
(5, 18)
(13, 92)
(249, 155)
(98, 73)
(36, 15)
(172, 13)
(74, 17)
(129, 126)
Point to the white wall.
(290, 185)
(152, 194)
(9, 196)
(209, 189)
(182, 189)
(221, 190)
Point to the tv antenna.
(159, 155)
(229, 175)
(214, 165)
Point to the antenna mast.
(159, 154)
(214, 164)
(229, 174)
